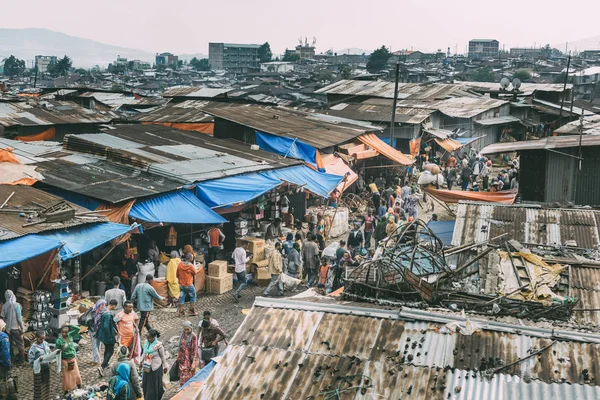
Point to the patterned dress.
(187, 354)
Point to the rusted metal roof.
(526, 89)
(591, 126)
(189, 111)
(314, 129)
(294, 349)
(30, 200)
(196, 92)
(380, 113)
(550, 142)
(384, 89)
(477, 222)
(50, 112)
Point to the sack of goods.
(427, 178)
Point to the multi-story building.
(232, 57)
(590, 54)
(525, 52)
(166, 59)
(42, 62)
(483, 48)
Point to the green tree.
(345, 72)
(325, 76)
(560, 78)
(483, 75)
(378, 59)
(82, 71)
(291, 57)
(200, 65)
(13, 66)
(264, 52)
(547, 51)
(523, 75)
(117, 69)
(61, 67)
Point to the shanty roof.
(384, 89)
(195, 92)
(591, 126)
(507, 119)
(298, 349)
(49, 112)
(189, 111)
(317, 130)
(526, 89)
(30, 152)
(477, 222)
(29, 201)
(456, 107)
(379, 113)
(566, 110)
(550, 142)
(117, 100)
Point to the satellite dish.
(516, 83)
(504, 82)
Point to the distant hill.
(188, 57)
(592, 43)
(85, 53)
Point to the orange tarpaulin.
(449, 145)
(454, 196)
(12, 172)
(336, 166)
(48, 134)
(361, 152)
(6, 155)
(119, 215)
(22, 181)
(204, 127)
(34, 268)
(415, 147)
(371, 140)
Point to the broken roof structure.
(315, 348)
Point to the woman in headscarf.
(135, 386)
(154, 364)
(11, 313)
(71, 378)
(188, 349)
(97, 311)
(5, 363)
(41, 370)
(172, 281)
(118, 386)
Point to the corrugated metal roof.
(30, 152)
(311, 128)
(526, 89)
(574, 110)
(309, 349)
(550, 142)
(456, 107)
(29, 198)
(507, 119)
(195, 92)
(50, 113)
(189, 111)
(591, 126)
(117, 100)
(380, 113)
(384, 89)
(529, 224)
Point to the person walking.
(209, 335)
(325, 276)
(355, 239)
(135, 385)
(106, 333)
(12, 315)
(369, 222)
(145, 294)
(116, 293)
(465, 176)
(71, 378)
(288, 244)
(215, 239)
(188, 353)
(294, 261)
(172, 281)
(310, 255)
(275, 269)
(185, 274)
(97, 311)
(240, 259)
(127, 321)
(41, 375)
(154, 364)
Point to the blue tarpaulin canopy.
(83, 238)
(443, 230)
(287, 147)
(181, 207)
(81, 200)
(235, 189)
(468, 140)
(319, 183)
(25, 247)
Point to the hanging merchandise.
(171, 239)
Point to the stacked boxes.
(218, 280)
(256, 246)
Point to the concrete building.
(42, 62)
(590, 54)
(482, 48)
(305, 51)
(166, 59)
(525, 52)
(232, 57)
(585, 83)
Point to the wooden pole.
(47, 267)
(98, 263)
(336, 209)
(6, 201)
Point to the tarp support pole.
(48, 265)
(98, 263)
(564, 154)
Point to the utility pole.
(562, 103)
(394, 106)
(578, 173)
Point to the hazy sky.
(186, 26)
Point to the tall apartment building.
(483, 48)
(166, 59)
(525, 52)
(236, 58)
(42, 62)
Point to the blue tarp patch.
(318, 183)
(235, 189)
(181, 207)
(443, 229)
(76, 198)
(287, 147)
(25, 247)
(83, 238)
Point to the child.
(325, 281)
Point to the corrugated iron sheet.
(47, 112)
(551, 142)
(380, 113)
(189, 111)
(195, 92)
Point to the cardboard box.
(200, 280)
(261, 272)
(219, 285)
(217, 268)
(256, 246)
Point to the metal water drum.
(39, 324)
(40, 306)
(100, 288)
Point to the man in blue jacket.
(144, 294)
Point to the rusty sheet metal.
(196, 92)
(49, 112)
(526, 223)
(588, 299)
(380, 113)
(587, 278)
(189, 111)
(526, 89)
(26, 197)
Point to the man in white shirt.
(240, 258)
(116, 294)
